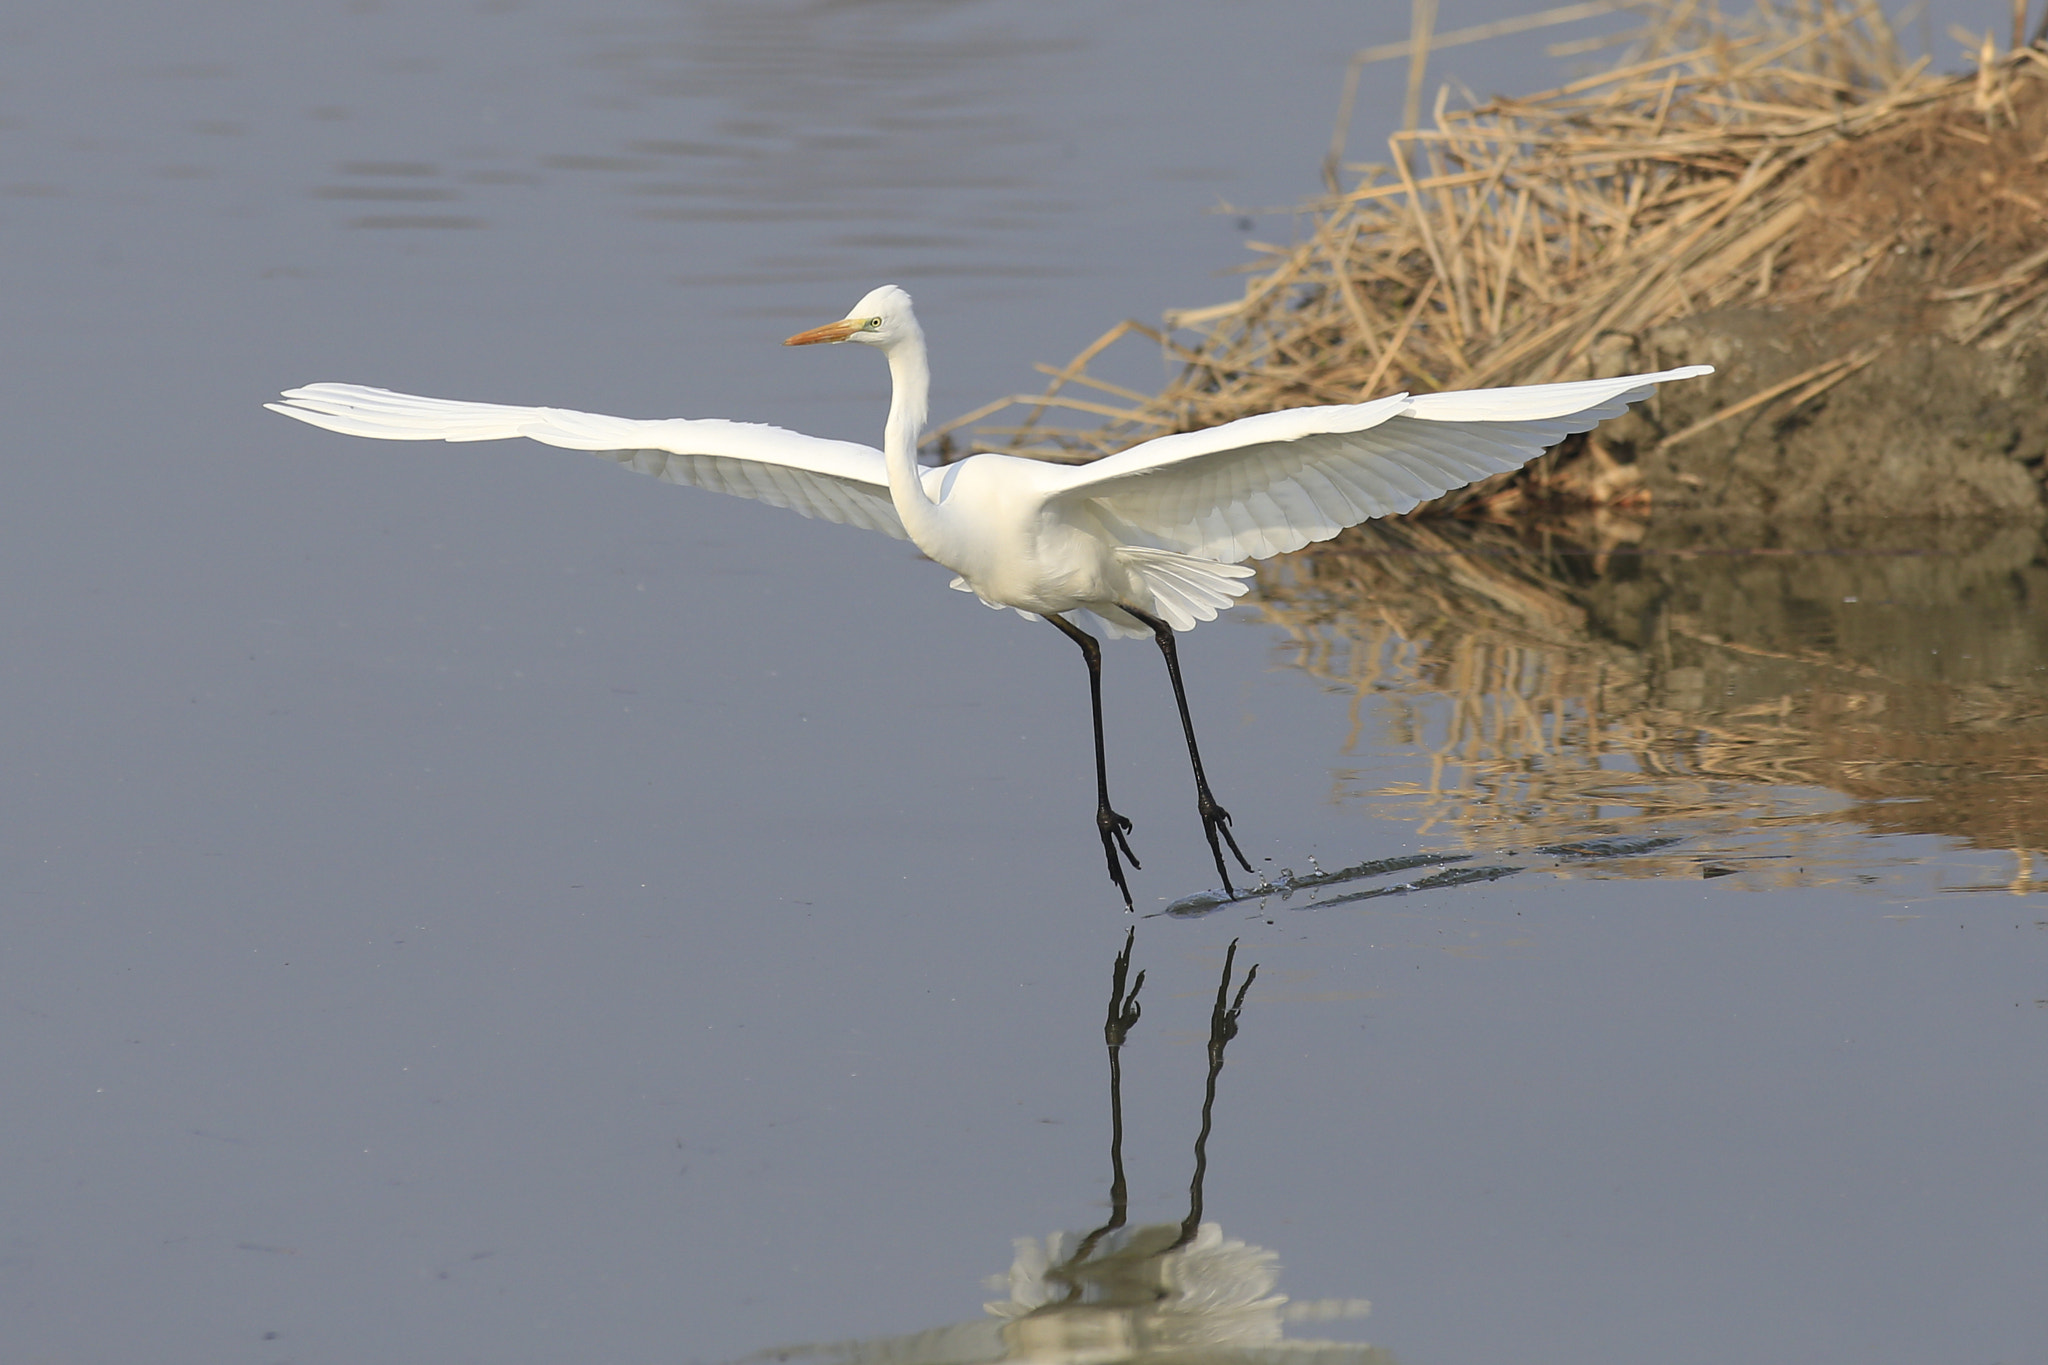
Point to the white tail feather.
(1185, 589)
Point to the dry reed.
(1789, 158)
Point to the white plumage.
(1144, 542)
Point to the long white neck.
(910, 383)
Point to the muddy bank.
(1926, 427)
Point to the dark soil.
(1929, 429)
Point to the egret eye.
(873, 324)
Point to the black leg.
(1215, 819)
(1108, 823)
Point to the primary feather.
(841, 481)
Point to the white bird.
(1144, 542)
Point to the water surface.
(474, 903)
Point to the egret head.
(882, 318)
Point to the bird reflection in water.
(1157, 1292)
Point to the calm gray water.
(469, 903)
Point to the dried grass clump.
(1786, 158)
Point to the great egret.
(1144, 542)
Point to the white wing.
(835, 480)
(1265, 485)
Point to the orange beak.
(831, 331)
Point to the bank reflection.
(1623, 679)
(1157, 1292)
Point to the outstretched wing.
(834, 480)
(1264, 485)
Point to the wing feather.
(838, 481)
(1276, 482)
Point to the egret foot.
(1113, 828)
(1215, 821)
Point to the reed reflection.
(1623, 679)
(1158, 1292)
